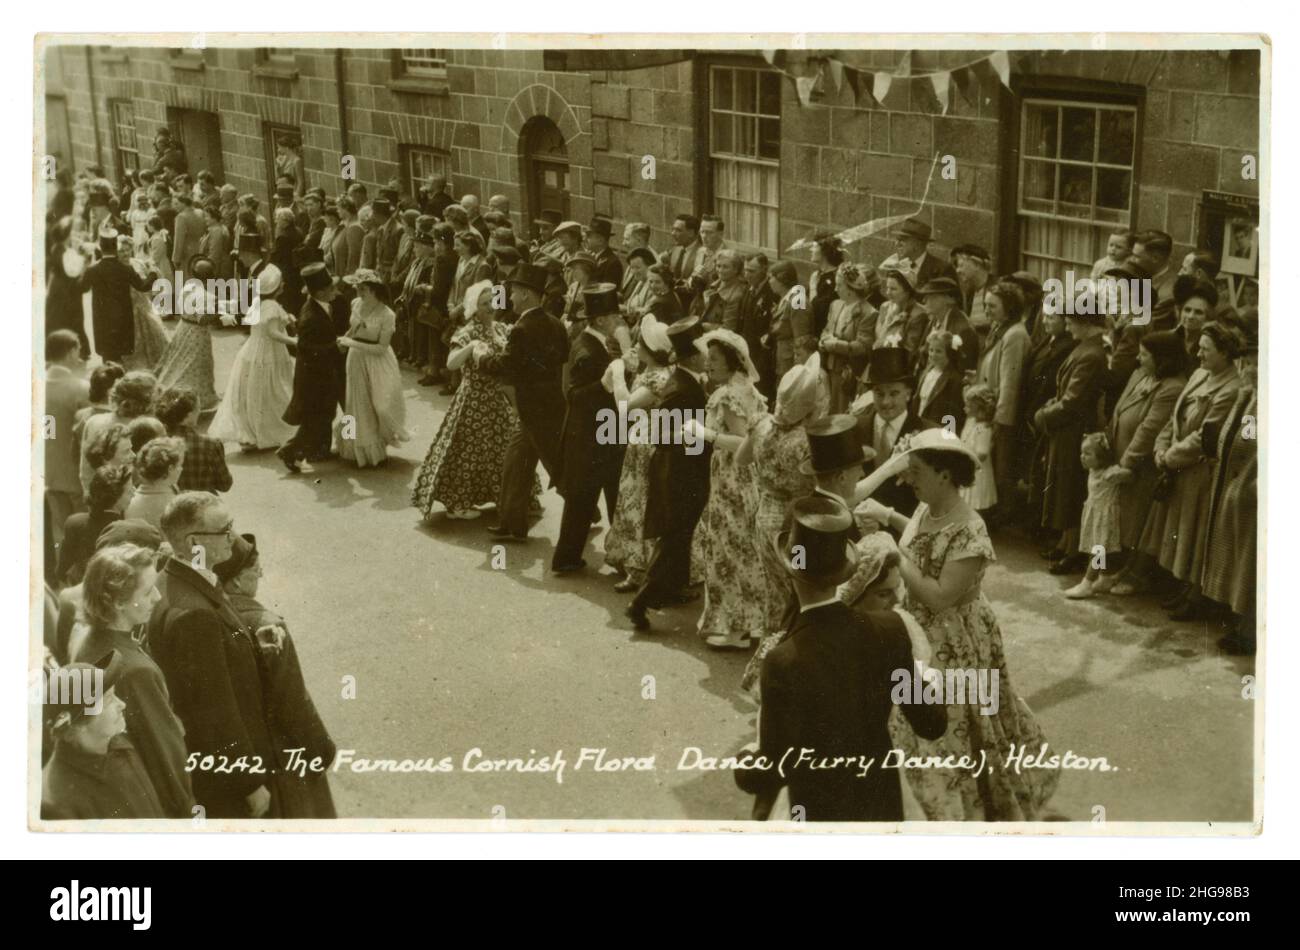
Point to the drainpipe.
(94, 104)
(343, 100)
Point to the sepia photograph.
(852, 433)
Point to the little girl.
(977, 433)
(1099, 524)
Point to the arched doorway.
(545, 167)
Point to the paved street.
(449, 654)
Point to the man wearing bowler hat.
(827, 688)
(533, 362)
(589, 464)
(912, 241)
(316, 377)
(940, 297)
(677, 482)
(888, 419)
(109, 282)
(609, 269)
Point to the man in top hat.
(836, 460)
(316, 379)
(940, 297)
(889, 418)
(590, 461)
(912, 241)
(109, 282)
(533, 363)
(677, 482)
(609, 269)
(827, 688)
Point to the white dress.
(261, 384)
(978, 436)
(374, 410)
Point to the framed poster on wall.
(1229, 228)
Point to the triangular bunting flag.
(769, 55)
(941, 81)
(837, 73)
(804, 85)
(1001, 64)
(968, 83)
(880, 84)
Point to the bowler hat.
(941, 285)
(888, 364)
(316, 276)
(833, 445)
(530, 275)
(683, 334)
(817, 546)
(914, 228)
(602, 226)
(599, 300)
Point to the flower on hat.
(956, 341)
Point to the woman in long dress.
(150, 336)
(946, 549)
(735, 605)
(261, 377)
(374, 410)
(463, 466)
(187, 361)
(625, 549)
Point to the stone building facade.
(1083, 142)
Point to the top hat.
(888, 364)
(316, 276)
(306, 254)
(833, 445)
(817, 548)
(250, 241)
(599, 300)
(530, 275)
(683, 334)
(602, 226)
(914, 228)
(941, 285)
(108, 241)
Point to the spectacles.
(228, 531)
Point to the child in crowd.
(1099, 535)
(1119, 245)
(977, 433)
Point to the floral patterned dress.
(735, 596)
(966, 636)
(624, 547)
(464, 463)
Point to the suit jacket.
(533, 362)
(931, 267)
(826, 689)
(65, 393)
(1001, 367)
(894, 494)
(582, 457)
(677, 482)
(682, 260)
(609, 269)
(756, 309)
(210, 662)
(188, 235)
(109, 282)
(1038, 382)
(945, 399)
(389, 239)
(316, 381)
(204, 466)
(153, 727)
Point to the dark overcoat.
(583, 458)
(317, 380)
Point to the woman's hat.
(655, 337)
(530, 275)
(74, 265)
(472, 296)
(856, 276)
(888, 364)
(243, 551)
(937, 439)
(507, 255)
(796, 395)
(737, 344)
(816, 548)
(566, 226)
(900, 267)
(135, 531)
(269, 280)
(684, 335)
(364, 275)
(873, 551)
(599, 300)
(316, 277)
(834, 445)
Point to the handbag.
(1164, 487)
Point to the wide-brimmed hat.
(552, 218)
(364, 275)
(599, 300)
(873, 551)
(889, 364)
(798, 391)
(914, 228)
(834, 445)
(934, 438)
(316, 276)
(816, 548)
(530, 275)
(654, 335)
(269, 280)
(737, 344)
(941, 285)
(684, 336)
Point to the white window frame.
(423, 63)
(414, 152)
(722, 203)
(119, 148)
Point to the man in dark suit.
(683, 256)
(889, 419)
(109, 282)
(677, 486)
(912, 240)
(210, 660)
(940, 297)
(609, 269)
(532, 363)
(756, 320)
(590, 459)
(827, 688)
(315, 374)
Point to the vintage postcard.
(790, 433)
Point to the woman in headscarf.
(734, 587)
(849, 334)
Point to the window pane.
(1039, 185)
(1114, 188)
(746, 90)
(1076, 191)
(1078, 138)
(1040, 130)
(722, 137)
(769, 139)
(722, 96)
(746, 135)
(1117, 137)
(770, 94)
